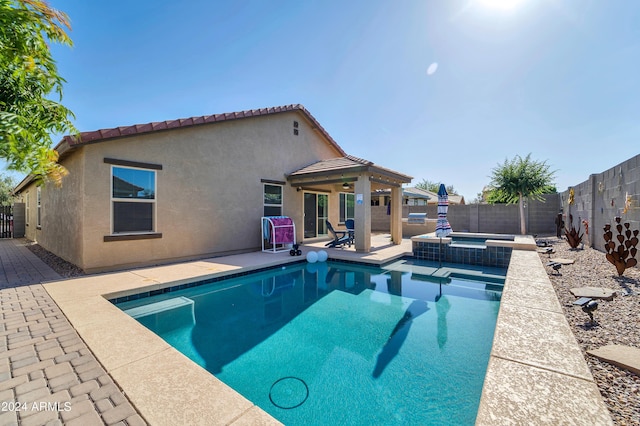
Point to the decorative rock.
(562, 260)
(616, 322)
(626, 357)
(594, 292)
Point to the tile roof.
(415, 192)
(70, 141)
(432, 197)
(345, 164)
(333, 164)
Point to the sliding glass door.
(316, 212)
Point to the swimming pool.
(335, 343)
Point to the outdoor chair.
(340, 238)
(351, 230)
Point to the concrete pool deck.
(536, 373)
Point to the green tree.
(427, 185)
(28, 77)
(7, 183)
(518, 179)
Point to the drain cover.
(288, 392)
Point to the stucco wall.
(62, 214)
(28, 197)
(209, 192)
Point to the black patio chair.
(340, 238)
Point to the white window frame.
(39, 207)
(343, 204)
(281, 205)
(152, 201)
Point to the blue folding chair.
(351, 230)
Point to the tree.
(28, 77)
(435, 186)
(7, 183)
(520, 178)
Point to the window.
(38, 207)
(272, 200)
(133, 197)
(347, 203)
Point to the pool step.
(162, 306)
(468, 246)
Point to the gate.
(6, 222)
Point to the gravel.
(61, 266)
(616, 322)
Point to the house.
(198, 187)
(413, 196)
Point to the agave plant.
(623, 255)
(574, 237)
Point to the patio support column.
(396, 215)
(362, 213)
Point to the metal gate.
(6, 222)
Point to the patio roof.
(325, 171)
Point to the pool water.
(335, 343)
(469, 241)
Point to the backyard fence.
(600, 199)
(6, 222)
(490, 218)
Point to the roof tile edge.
(135, 129)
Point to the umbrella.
(442, 225)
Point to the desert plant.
(622, 256)
(574, 237)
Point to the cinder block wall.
(489, 218)
(542, 216)
(602, 197)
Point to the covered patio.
(382, 250)
(353, 175)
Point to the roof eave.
(327, 173)
(22, 185)
(104, 135)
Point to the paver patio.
(47, 373)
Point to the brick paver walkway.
(48, 376)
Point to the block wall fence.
(602, 197)
(596, 202)
(489, 218)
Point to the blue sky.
(554, 78)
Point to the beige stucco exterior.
(209, 192)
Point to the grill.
(417, 218)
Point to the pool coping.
(536, 372)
